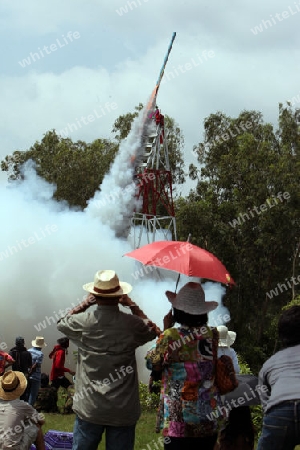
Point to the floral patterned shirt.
(190, 404)
(4, 358)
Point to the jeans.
(87, 436)
(281, 427)
(34, 390)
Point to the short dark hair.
(289, 326)
(191, 320)
(20, 341)
(239, 423)
(63, 342)
(44, 380)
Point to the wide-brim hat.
(12, 385)
(39, 342)
(191, 299)
(226, 338)
(107, 284)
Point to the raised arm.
(136, 310)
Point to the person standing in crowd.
(186, 355)
(23, 361)
(5, 361)
(20, 423)
(154, 384)
(279, 387)
(106, 395)
(226, 340)
(35, 373)
(239, 432)
(46, 400)
(58, 356)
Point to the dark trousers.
(63, 381)
(25, 395)
(188, 443)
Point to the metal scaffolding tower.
(156, 220)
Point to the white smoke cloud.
(47, 252)
(215, 292)
(115, 202)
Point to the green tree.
(76, 168)
(245, 210)
(122, 125)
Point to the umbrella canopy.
(184, 258)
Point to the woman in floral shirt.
(190, 405)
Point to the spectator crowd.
(107, 327)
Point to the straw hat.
(12, 385)
(226, 338)
(191, 299)
(107, 284)
(38, 342)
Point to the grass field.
(145, 433)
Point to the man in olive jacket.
(106, 383)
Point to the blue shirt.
(37, 358)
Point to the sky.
(75, 66)
(62, 61)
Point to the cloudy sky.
(64, 61)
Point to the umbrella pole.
(178, 278)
